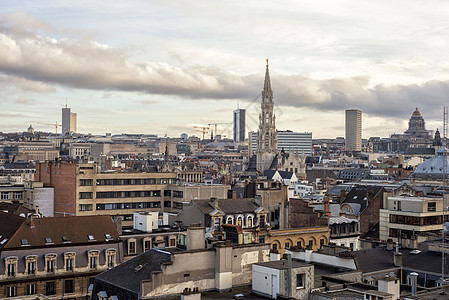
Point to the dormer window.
(24, 242)
(48, 240)
(65, 239)
(108, 236)
(91, 237)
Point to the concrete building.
(407, 219)
(239, 125)
(56, 257)
(344, 232)
(353, 129)
(168, 272)
(69, 121)
(273, 279)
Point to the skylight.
(108, 236)
(91, 237)
(65, 239)
(48, 240)
(24, 242)
(4, 241)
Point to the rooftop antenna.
(443, 246)
(66, 102)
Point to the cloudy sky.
(165, 66)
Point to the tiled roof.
(41, 232)
(9, 224)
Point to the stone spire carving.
(267, 134)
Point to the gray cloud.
(36, 61)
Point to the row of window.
(299, 244)
(133, 205)
(135, 181)
(50, 288)
(50, 262)
(127, 194)
(11, 195)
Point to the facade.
(298, 142)
(165, 272)
(68, 121)
(270, 279)
(344, 232)
(56, 257)
(80, 190)
(406, 219)
(312, 238)
(353, 129)
(239, 125)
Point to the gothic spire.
(267, 93)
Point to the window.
(311, 243)
(146, 245)
(132, 247)
(65, 239)
(85, 195)
(239, 220)
(31, 289)
(68, 286)
(167, 203)
(86, 182)
(249, 221)
(11, 266)
(24, 242)
(172, 242)
(229, 220)
(69, 260)
(93, 258)
(321, 242)
(275, 247)
(5, 196)
(167, 193)
(50, 266)
(299, 281)
(287, 245)
(50, 288)
(85, 207)
(30, 264)
(178, 194)
(299, 244)
(432, 206)
(11, 291)
(91, 237)
(110, 257)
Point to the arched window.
(249, 221)
(240, 220)
(229, 220)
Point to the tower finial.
(267, 62)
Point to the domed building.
(434, 167)
(415, 140)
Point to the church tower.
(267, 134)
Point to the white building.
(298, 142)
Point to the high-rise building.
(353, 129)
(239, 125)
(68, 120)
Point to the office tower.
(68, 120)
(239, 125)
(353, 129)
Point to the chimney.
(390, 244)
(32, 222)
(414, 279)
(196, 237)
(327, 211)
(397, 259)
(213, 202)
(37, 209)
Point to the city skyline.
(157, 67)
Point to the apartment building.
(406, 219)
(55, 257)
(81, 189)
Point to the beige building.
(81, 189)
(353, 129)
(312, 237)
(406, 219)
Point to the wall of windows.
(136, 181)
(128, 194)
(113, 206)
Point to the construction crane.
(202, 129)
(54, 124)
(215, 124)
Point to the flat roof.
(283, 264)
